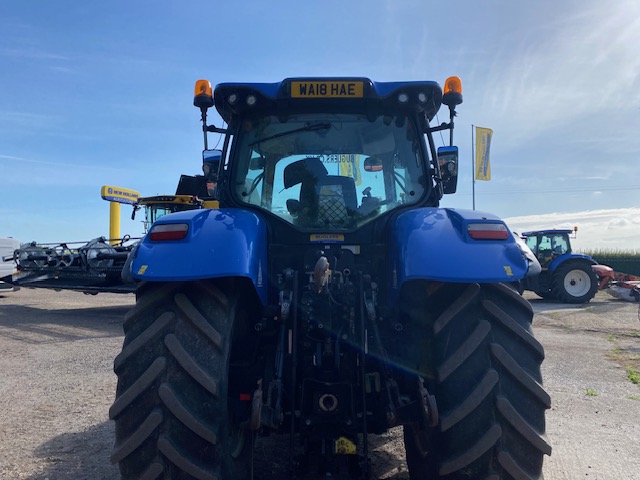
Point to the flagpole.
(473, 168)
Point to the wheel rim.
(577, 283)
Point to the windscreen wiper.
(309, 127)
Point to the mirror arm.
(442, 126)
(446, 126)
(203, 116)
(452, 113)
(208, 128)
(213, 128)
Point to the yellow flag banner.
(483, 142)
(350, 167)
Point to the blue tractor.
(566, 276)
(323, 294)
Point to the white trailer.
(8, 267)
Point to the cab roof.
(545, 232)
(298, 94)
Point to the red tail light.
(488, 231)
(168, 231)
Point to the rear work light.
(487, 231)
(168, 231)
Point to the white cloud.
(615, 229)
(53, 164)
(576, 67)
(619, 222)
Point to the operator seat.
(306, 172)
(325, 200)
(545, 254)
(337, 200)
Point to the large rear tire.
(171, 409)
(574, 283)
(482, 364)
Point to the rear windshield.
(329, 171)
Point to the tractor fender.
(434, 244)
(574, 257)
(219, 243)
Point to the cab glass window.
(329, 171)
(559, 244)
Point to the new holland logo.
(119, 195)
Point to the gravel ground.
(593, 422)
(57, 384)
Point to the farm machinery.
(565, 276)
(95, 266)
(89, 267)
(327, 297)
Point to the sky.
(100, 93)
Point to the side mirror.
(135, 209)
(256, 163)
(372, 164)
(211, 158)
(210, 167)
(448, 162)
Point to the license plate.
(327, 89)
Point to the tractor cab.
(332, 155)
(547, 245)
(161, 205)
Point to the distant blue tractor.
(566, 277)
(323, 294)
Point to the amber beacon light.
(203, 94)
(452, 92)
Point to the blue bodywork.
(433, 243)
(425, 243)
(570, 256)
(270, 94)
(219, 243)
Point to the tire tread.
(182, 413)
(520, 374)
(189, 364)
(142, 433)
(482, 446)
(162, 322)
(183, 463)
(196, 318)
(470, 345)
(142, 383)
(471, 402)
